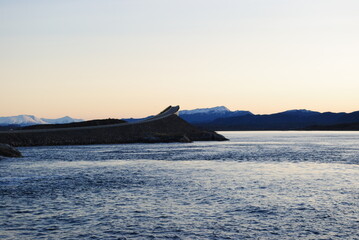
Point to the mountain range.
(27, 120)
(221, 118)
(206, 115)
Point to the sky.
(132, 58)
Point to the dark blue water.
(259, 185)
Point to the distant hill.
(206, 115)
(62, 120)
(288, 120)
(201, 115)
(27, 120)
(221, 118)
(21, 120)
(9, 127)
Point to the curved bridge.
(164, 127)
(169, 111)
(165, 113)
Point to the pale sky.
(132, 58)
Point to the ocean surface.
(258, 185)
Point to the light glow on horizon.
(95, 59)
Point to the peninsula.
(164, 127)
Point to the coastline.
(164, 127)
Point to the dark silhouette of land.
(9, 127)
(289, 120)
(8, 151)
(336, 127)
(164, 127)
(98, 122)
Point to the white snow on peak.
(21, 120)
(218, 110)
(25, 120)
(66, 119)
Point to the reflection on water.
(261, 185)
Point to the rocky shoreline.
(9, 151)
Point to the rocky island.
(164, 127)
(8, 151)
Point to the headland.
(164, 127)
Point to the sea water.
(258, 185)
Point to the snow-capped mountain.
(210, 114)
(62, 120)
(26, 120)
(21, 120)
(218, 110)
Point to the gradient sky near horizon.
(132, 58)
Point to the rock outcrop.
(164, 127)
(8, 151)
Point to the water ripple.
(257, 186)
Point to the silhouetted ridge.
(164, 127)
(289, 120)
(97, 122)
